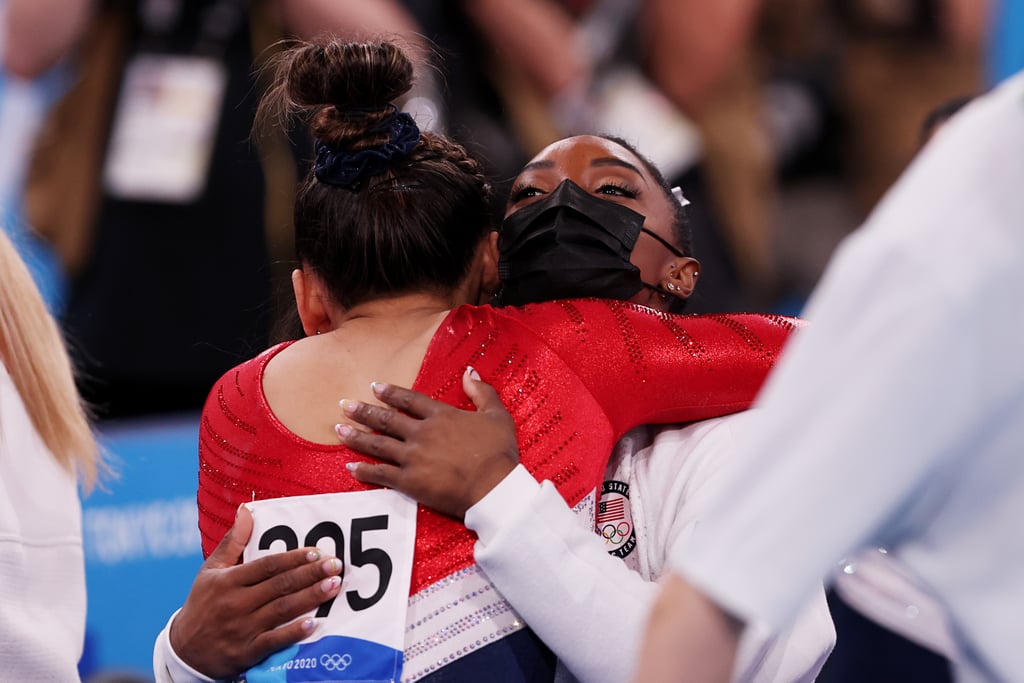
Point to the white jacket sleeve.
(587, 606)
(167, 666)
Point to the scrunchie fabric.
(348, 169)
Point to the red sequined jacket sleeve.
(574, 374)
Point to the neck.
(397, 310)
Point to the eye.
(525, 192)
(618, 190)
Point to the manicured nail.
(332, 566)
(308, 625)
(343, 430)
(377, 388)
(327, 585)
(238, 510)
(473, 374)
(348, 406)
(313, 555)
(351, 466)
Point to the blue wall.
(142, 547)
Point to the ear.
(309, 299)
(681, 278)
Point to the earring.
(696, 273)
(673, 287)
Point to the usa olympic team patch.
(614, 520)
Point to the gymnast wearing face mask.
(621, 357)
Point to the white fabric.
(589, 606)
(879, 587)
(42, 568)
(167, 666)
(897, 417)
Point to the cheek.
(646, 259)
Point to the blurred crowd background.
(158, 225)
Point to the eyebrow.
(615, 161)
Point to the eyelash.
(624, 189)
(520, 193)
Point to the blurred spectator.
(901, 58)
(31, 79)
(166, 217)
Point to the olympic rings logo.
(335, 662)
(613, 532)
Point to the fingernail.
(348, 406)
(238, 510)
(308, 625)
(351, 466)
(377, 388)
(343, 430)
(327, 585)
(332, 566)
(473, 374)
(313, 556)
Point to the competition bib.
(164, 128)
(360, 634)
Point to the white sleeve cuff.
(168, 666)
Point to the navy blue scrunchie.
(347, 169)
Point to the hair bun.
(345, 88)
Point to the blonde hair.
(32, 349)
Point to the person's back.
(928, 428)
(45, 441)
(40, 552)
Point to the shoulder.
(697, 445)
(682, 462)
(244, 381)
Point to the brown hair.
(416, 225)
(32, 349)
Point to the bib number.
(361, 632)
(358, 555)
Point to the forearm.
(537, 37)
(687, 633)
(41, 32)
(586, 605)
(353, 20)
(693, 44)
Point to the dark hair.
(680, 224)
(412, 225)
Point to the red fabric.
(575, 375)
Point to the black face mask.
(569, 244)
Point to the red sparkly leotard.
(575, 375)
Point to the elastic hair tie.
(348, 169)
